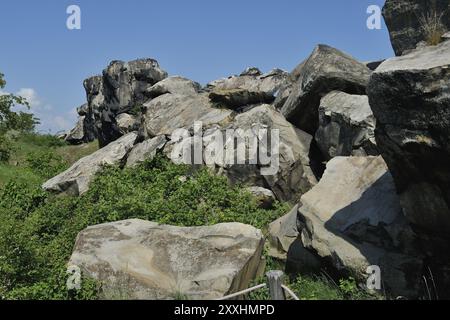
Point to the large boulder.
(252, 79)
(352, 219)
(174, 84)
(121, 89)
(136, 259)
(76, 179)
(168, 112)
(327, 69)
(290, 171)
(346, 126)
(409, 20)
(410, 98)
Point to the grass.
(38, 229)
(17, 168)
(433, 28)
(314, 286)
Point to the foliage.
(312, 286)
(46, 163)
(6, 148)
(38, 230)
(11, 120)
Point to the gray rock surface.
(136, 259)
(127, 123)
(76, 179)
(352, 218)
(285, 244)
(145, 150)
(253, 80)
(346, 126)
(326, 69)
(169, 112)
(174, 84)
(292, 175)
(246, 151)
(410, 98)
(403, 19)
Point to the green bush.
(45, 163)
(6, 148)
(38, 230)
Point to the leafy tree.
(11, 120)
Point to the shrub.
(38, 230)
(45, 163)
(6, 148)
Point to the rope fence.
(275, 284)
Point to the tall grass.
(432, 26)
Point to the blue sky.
(200, 39)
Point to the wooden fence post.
(275, 280)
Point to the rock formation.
(413, 21)
(121, 89)
(352, 219)
(410, 98)
(136, 259)
(346, 126)
(84, 131)
(76, 179)
(327, 69)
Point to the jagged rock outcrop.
(405, 20)
(327, 69)
(253, 80)
(84, 130)
(410, 98)
(352, 219)
(121, 89)
(346, 126)
(175, 85)
(136, 259)
(76, 179)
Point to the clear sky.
(199, 39)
